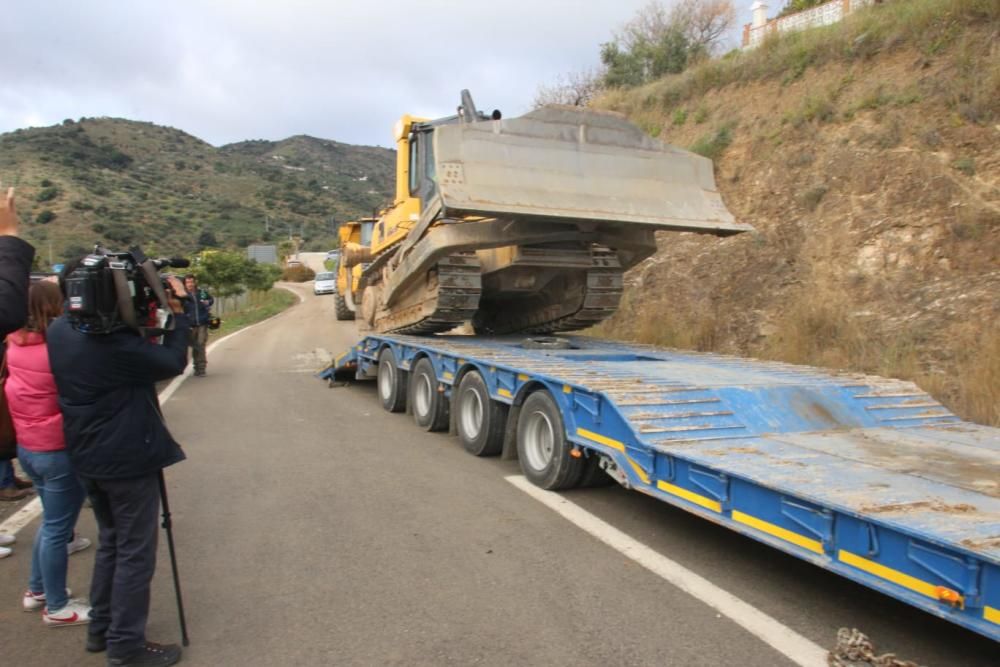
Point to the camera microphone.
(174, 262)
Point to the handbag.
(214, 323)
(8, 439)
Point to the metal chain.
(855, 649)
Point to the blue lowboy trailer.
(868, 477)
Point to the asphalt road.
(314, 529)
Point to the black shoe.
(96, 643)
(150, 655)
(199, 374)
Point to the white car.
(325, 283)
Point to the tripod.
(168, 526)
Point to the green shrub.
(47, 194)
(813, 196)
(45, 217)
(712, 145)
(680, 116)
(966, 165)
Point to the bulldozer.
(527, 224)
(354, 238)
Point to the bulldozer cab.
(423, 175)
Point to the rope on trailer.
(855, 649)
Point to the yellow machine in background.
(355, 238)
(526, 224)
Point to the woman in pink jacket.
(41, 449)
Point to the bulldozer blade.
(584, 165)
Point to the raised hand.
(8, 214)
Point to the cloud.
(226, 71)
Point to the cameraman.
(118, 443)
(198, 309)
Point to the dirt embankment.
(874, 184)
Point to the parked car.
(325, 283)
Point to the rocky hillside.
(124, 182)
(867, 156)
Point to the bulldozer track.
(458, 289)
(601, 294)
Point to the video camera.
(110, 291)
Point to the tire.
(340, 307)
(593, 476)
(479, 420)
(429, 406)
(542, 448)
(391, 382)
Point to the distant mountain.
(122, 182)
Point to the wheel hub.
(539, 440)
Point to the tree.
(707, 22)
(207, 239)
(224, 272)
(261, 277)
(286, 248)
(575, 89)
(795, 6)
(657, 41)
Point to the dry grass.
(930, 26)
(821, 328)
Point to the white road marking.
(780, 637)
(22, 517)
(33, 509)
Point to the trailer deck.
(864, 476)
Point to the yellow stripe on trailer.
(992, 615)
(779, 532)
(638, 470)
(690, 496)
(447, 376)
(597, 437)
(505, 393)
(897, 577)
(522, 377)
(614, 444)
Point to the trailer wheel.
(391, 382)
(340, 308)
(480, 420)
(430, 407)
(542, 447)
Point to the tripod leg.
(168, 526)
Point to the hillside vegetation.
(867, 156)
(123, 182)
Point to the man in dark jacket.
(118, 443)
(198, 309)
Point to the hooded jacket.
(31, 393)
(15, 268)
(107, 394)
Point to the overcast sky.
(226, 71)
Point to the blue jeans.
(62, 497)
(6, 474)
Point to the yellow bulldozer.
(524, 224)
(354, 254)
